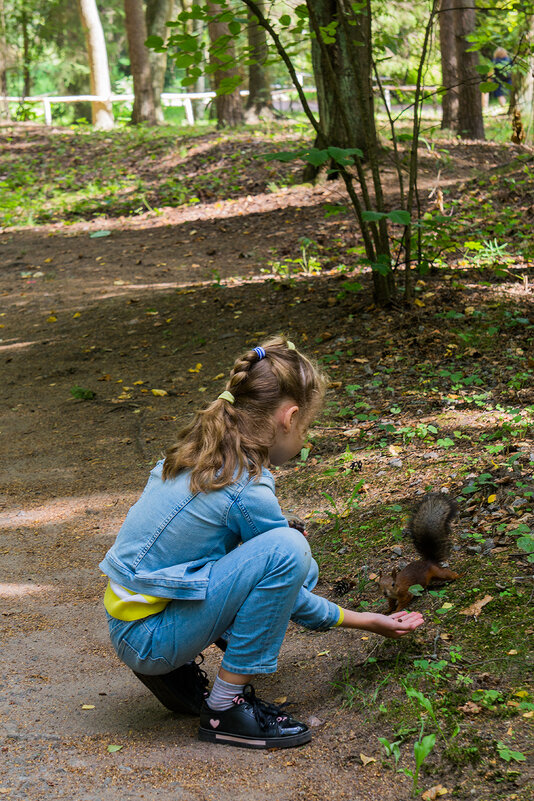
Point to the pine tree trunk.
(157, 14)
(352, 67)
(522, 100)
(4, 105)
(449, 65)
(102, 113)
(259, 102)
(229, 107)
(26, 91)
(470, 122)
(144, 108)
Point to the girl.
(178, 580)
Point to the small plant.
(82, 394)
(508, 755)
(391, 749)
(337, 513)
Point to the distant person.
(502, 75)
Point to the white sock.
(222, 694)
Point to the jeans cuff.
(249, 670)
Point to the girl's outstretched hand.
(396, 625)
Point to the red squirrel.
(429, 528)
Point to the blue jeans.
(252, 594)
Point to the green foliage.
(82, 394)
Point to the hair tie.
(290, 345)
(227, 396)
(261, 353)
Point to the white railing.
(167, 99)
(183, 99)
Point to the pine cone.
(343, 585)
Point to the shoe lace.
(264, 712)
(200, 677)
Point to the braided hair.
(225, 439)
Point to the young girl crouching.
(178, 580)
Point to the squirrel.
(429, 529)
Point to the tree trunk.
(229, 107)
(259, 102)
(102, 113)
(522, 101)
(470, 122)
(4, 105)
(157, 14)
(144, 108)
(449, 65)
(26, 90)
(350, 57)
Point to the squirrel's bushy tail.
(429, 526)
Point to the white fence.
(280, 98)
(167, 99)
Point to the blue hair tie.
(261, 353)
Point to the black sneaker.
(182, 690)
(252, 723)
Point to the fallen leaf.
(372, 576)
(98, 234)
(529, 715)
(138, 383)
(281, 700)
(196, 368)
(476, 608)
(88, 706)
(76, 314)
(105, 377)
(513, 652)
(159, 392)
(51, 319)
(418, 302)
(113, 748)
(314, 722)
(366, 760)
(352, 432)
(492, 498)
(324, 653)
(434, 792)
(470, 708)
(218, 376)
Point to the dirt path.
(72, 468)
(164, 302)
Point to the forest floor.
(134, 268)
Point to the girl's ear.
(290, 417)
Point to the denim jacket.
(171, 536)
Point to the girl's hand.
(396, 625)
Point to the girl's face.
(290, 434)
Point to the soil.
(164, 302)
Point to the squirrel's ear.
(394, 573)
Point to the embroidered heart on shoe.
(214, 723)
